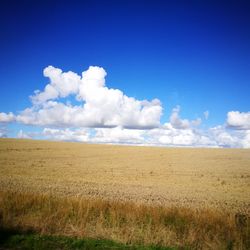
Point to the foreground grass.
(127, 223)
(10, 239)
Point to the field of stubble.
(187, 177)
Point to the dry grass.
(124, 222)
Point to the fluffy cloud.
(245, 141)
(5, 118)
(106, 115)
(100, 106)
(119, 135)
(179, 123)
(233, 138)
(61, 85)
(56, 114)
(81, 135)
(224, 137)
(238, 120)
(219, 136)
(167, 135)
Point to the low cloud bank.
(106, 115)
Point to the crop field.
(146, 195)
(177, 176)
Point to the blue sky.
(194, 54)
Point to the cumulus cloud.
(56, 114)
(238, 120)
(100, 106)
(5, 118)
(61, 85)
(223, 137)
(245, 141)
(167, 135)
(229, 137)
(100, 114)
(81, 135)
(178, 123)
(119, 135)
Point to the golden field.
(180, 197)
(218, 178)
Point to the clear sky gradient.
(195, 54)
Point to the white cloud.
(179, 123)
(165, 135)
(106, 115)
(4, 117)
(245, 142)
(219, 136)
(225, 137)
(238, 120)
(176, 121)
(169, 136)
(119, 135)
(110, 107)
(61, 85)
(81, 135)
(55, 114)
(100, 106)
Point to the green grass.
(10, 239)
